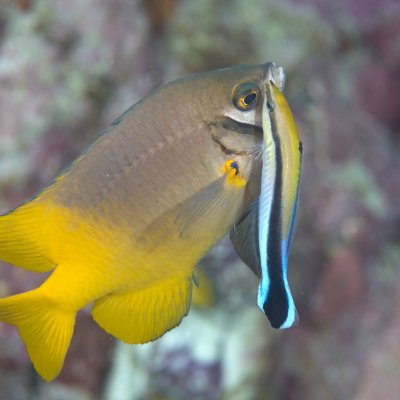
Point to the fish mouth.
(281, 159)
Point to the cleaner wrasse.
(124, 226)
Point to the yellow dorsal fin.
(146, 314)
(44, 326)
(22, 238)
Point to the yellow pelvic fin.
(22, 240)
(146, 314)
(44, 326)
(203, 294)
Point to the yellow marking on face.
(233, 178)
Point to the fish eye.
(245, 96)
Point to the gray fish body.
(162, 151)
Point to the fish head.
(232, 102)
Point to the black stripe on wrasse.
(276, 305)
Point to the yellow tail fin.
(22, 239)
(44, 326)
(144, 315)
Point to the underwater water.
(69, 68)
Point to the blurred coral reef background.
(69, 67)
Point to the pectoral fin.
(244, 237)
(144, 315)
(213, 209)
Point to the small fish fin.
(244, 237)
(45, 328)
(203, 294)
(195, 278)
(22, 240)
(213, 209)
(144, 315)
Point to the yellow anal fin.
(45, 328)
(22, 241)
(146, 314)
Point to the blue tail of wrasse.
(274, 296)
(257, 240)
(277, 207)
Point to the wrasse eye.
(245, 96)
